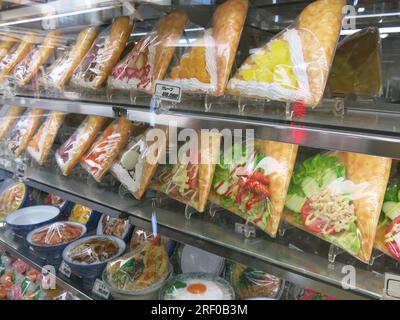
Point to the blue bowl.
(65, 210)
(52, 253)
(125, 235)
(23, 221)
(92, 270)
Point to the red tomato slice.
(393, 246)
(318, 225)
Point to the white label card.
(167, 92)
(65, 269)
(100, 289)
(392, 287)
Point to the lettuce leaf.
(392, 193)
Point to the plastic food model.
(100, 157)
(11, 199)
(57, 233)
(357, 67)
(23, 131)
(7, 122)
(60, 72)
(41, 143)
(69, 154)
(103, 55)
(206, 66)
(139, 269)
(189, 180)
(54, 200)
(294, 66)
(6, 45)
(133, 168)
(338, 197)
(114, 226)
(141, 237)
(27, 68)
(18, 281)
(197, 286)
(94, 250)
(388, 233)
(16, 54)
(80, 213)
(309, 294)
(252, 181)
(249, 283)
(149, 59)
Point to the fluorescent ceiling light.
(373, 15)
(74, 13)
(381, 30)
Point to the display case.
(262, 132)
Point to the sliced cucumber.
(310, 186)
(295, 203)
(391, 209)
(223, 188)
(328, 177)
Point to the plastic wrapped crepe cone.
(278, 183)
(7, 122)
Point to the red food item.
(318, 224)
(394, 246)
(196, 288)
(3, 293)
(257, 187)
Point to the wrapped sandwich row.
(292, 66)
(337, 196)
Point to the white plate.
(32, 215)
(196, 260)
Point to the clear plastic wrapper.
(41, 143)
(357, 67)
(11, 199)
(60, 72)
(31, 64)
(80, 213)
(113, 226)
(189, 180)
(23, 131)
(138, 270)
(205, 67)
(6, 44)
(69, 154)
(8, 121)
(57, 233)
(105, 150)
(249, 283)
(16, 54)
(338, 197)
(294, 65)
(133, 169)
(149, 59)
(101, 58)
(254, 184)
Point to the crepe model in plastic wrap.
(357, 65)
(17, 54)
(294, 65)
(103, 55)
(134, 168)
(40, 145)
(254, 180)
(189, 180)
(37, 56)
(149, 59)
(6, 45)
(338, 197)
(207, 65)
(7, 122)
(69, 154)
(105, 150)
(23, 131)
(60, 72)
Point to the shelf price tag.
(100, 289)
(167, 92)
(65, 269)
(392, 287)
